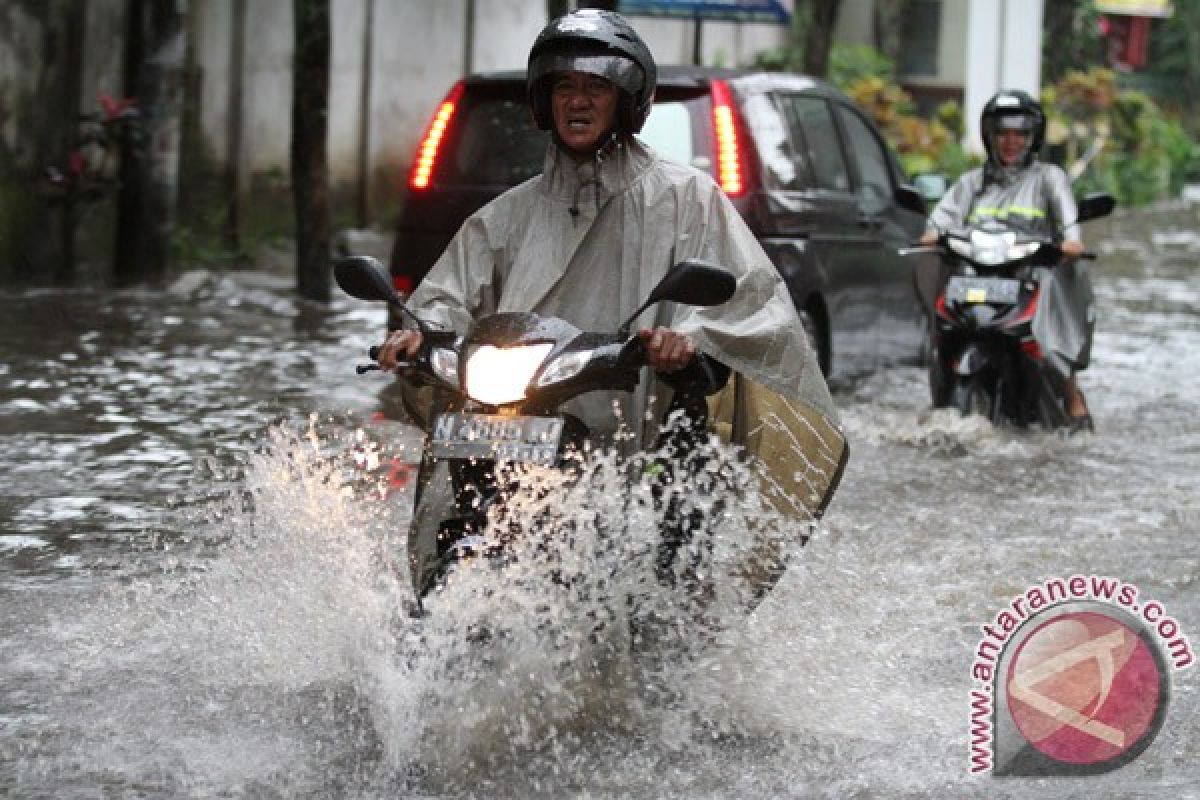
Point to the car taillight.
(427, 153)
(730, 173)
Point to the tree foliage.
(810, 42)
(1144, 155)
(1173, 63)
(1071, 38)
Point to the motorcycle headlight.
(444, 362)
(501, 375)
(992, 248)
(565, 367)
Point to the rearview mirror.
(692, 282)
(1094, 206)
(695, 283)
(363, 277)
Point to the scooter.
(985, 357)
(506, 380)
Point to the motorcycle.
(506, 380)
(985, 358)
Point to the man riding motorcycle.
(1014, 187)
(587, 239)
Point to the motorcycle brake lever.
(362, 369)
(400, 367)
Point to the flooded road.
(195, 602)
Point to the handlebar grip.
(373, 353)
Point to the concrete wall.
(1004, 39)
(416, 51)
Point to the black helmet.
(598, 43)
(1012, 109)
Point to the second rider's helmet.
(595, 42)
(1012, 109)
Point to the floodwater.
(197, 599)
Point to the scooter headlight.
(501, 375)
(565, 367)
(992, 248)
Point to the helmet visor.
(618, 70)
(1014, 122)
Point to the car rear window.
(499, 144)
(496, 143)
(668, 130)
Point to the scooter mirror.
(692, 282)
(1094, 206)
(695, 283)
(363, 277)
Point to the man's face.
(584, 108)
(1010, 145)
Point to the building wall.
(416, 49)
(1004, 39)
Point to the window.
(815, 141)
(668, 130)
(919, 38)
(499, 145)
(875, 180)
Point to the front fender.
(971, 361)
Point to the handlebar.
(373, 353)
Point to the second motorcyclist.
(1014, 187)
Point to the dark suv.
(806, 168)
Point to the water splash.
(585, 635)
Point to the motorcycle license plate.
(962, 289)
(531, 440)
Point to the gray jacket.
(1036, 199)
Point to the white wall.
(417, 51)
(1004, 51)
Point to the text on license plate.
(982, 290)
(504, 438)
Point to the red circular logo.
(1084, 688)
